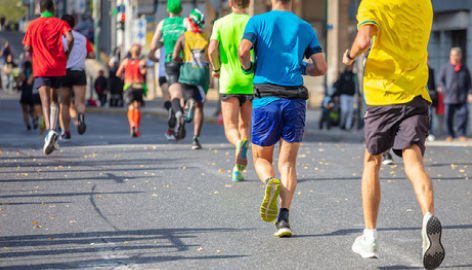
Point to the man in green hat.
(192, 50)
(168, 31)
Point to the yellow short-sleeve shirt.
(396, 70)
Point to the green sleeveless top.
(171, 31)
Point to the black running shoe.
(81, 127)
(387, 158)
(171, 119)
(66, 136)
(433, 250)
(283, 229)
(196, 144)
(181, 133)
(28, 128)
(133, 133)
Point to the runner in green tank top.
(167, 33)
(236, 88)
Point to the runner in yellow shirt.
(395, 79)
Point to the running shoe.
(431, 138)
(171, 118)
(81, 127)
(66, 136)
(367, 248)
(35, 122)
(181, 133)
(387, 159)
(196, 144)
(189, 110)
(237, 174)
(269, 208)
(50, 142)
(28, 128)
(283, 229)
(241, 153)
(170, 135)
(132, 133)
(138, 134)
(433, 250)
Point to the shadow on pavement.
(109, 244)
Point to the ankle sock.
(167, 105)
(54, 115)
(283, 214)
(426, 217)
(371, 234)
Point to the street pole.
(31, 9)
(96, 25)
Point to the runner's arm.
(70, 43)
(143, 67)
(90, 51)
(361, 43)
(214, 55)
(318, 67)
(244, 53)
(121, 69)
(156, 44)
(179, 46)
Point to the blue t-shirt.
(281, 41)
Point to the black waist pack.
(278, 91)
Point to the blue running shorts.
(281, 119)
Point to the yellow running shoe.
(269, 208)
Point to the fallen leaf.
(154, 195)
(73, 221)
(50, 238)
(218, 251)
(228, 186)
(92, 244)
(201, 249)
(221, 170)
(35, 222)
(216, 192)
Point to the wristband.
(217, 70)
(303, 65)
(250, 70)
(348, 54)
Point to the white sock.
(426, 217)
(54, 116)
(370, 234)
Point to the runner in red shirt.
(44, 39)
(134, 70)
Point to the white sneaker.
(433, 250)
(367, 248)
(50, 142)
(431, 138)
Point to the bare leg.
(245, 120)
(371, 189)
(422, 184)
(288, 173)
(198, 118)
(79, 93)
(45, 94)
(24, 107)
(263, 156)
(65, 108)
(230, 110)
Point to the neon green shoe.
(241, 154)
(269, 208)
(237, 174)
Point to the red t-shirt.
(133, 73)
(44, 36)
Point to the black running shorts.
(396, 126)
(74, 78)
(172, 72)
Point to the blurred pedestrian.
(115, 83)
(8, 69)
(5, 52)
(433, 93)
(27, 101)
(101, 87)
(455, 83)
(346, 86)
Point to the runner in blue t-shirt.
(281, 41)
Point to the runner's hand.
(346, 60)
(215, 74)
(470, 98)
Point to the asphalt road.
(106, 201)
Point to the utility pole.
(97, 17)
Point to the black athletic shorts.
(74, 78)
(134, 94)
(396, 126)
(172, 72)
(52, 82)
(193, 91)
(30, 99)
(242, 98)
(162, 80)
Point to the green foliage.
(13, 10)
